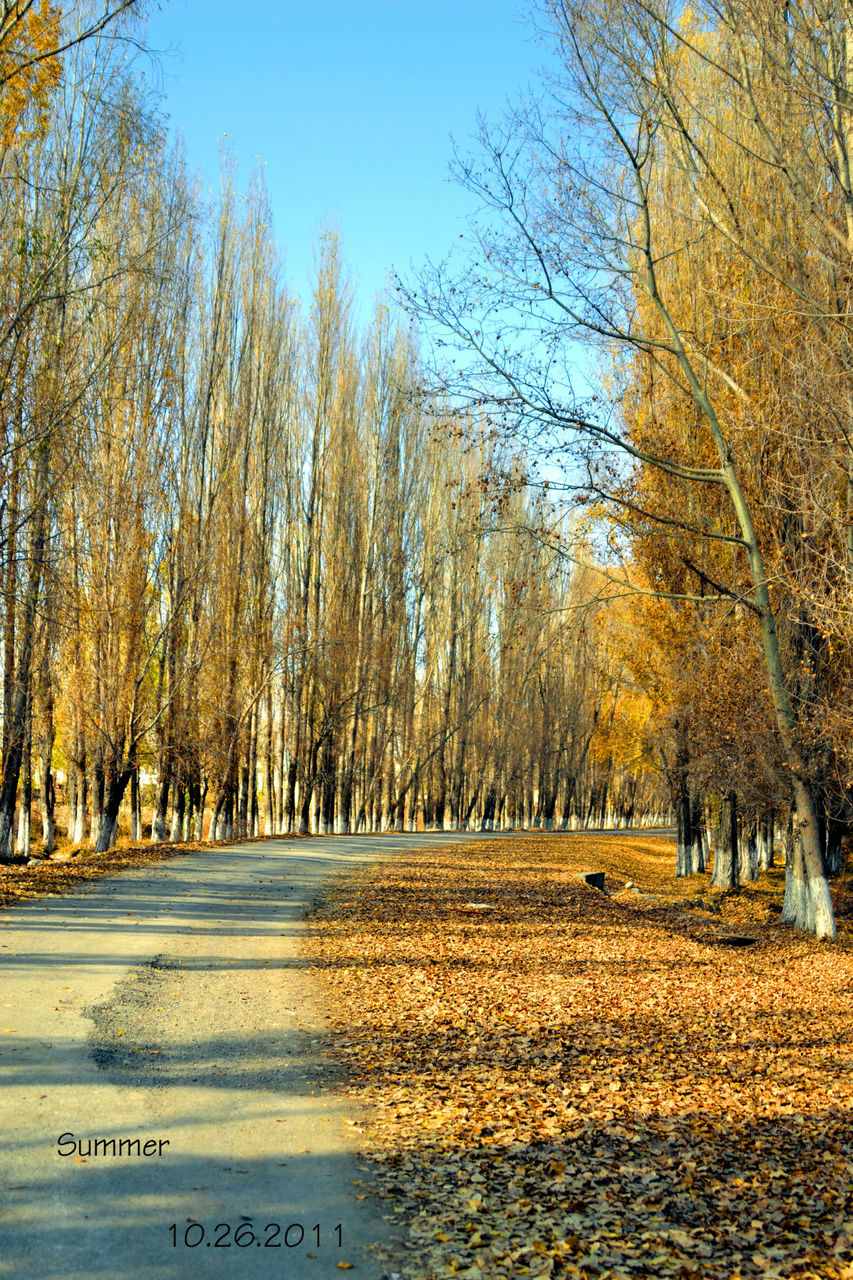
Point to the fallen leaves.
(577, 1085)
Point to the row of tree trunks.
(743, 847)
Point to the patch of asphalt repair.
(151, 1032)
(169, 1103)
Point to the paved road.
(169, 1007)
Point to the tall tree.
(588, 247)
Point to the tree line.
(677, 201)
(252, 581)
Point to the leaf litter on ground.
(577, 1084)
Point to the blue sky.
(350, 105)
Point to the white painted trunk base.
(23, 842)
(80, 825)
(808, 906)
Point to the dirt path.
(171, 1007)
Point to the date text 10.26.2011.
(245, 1235)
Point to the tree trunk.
(487, 822)
(228, 816)
(161, 805)
(179, 797)
(726, 853)
(766, 827)
(47, 789)
(97, 800)
(684, 826)
(135, 815)
(835, 829)
(810, 896)
(79, 834)
(749, 862)
(327, 789)
(269, 772)
(23, 666)
(700, 835)
(26, 806)
(245, 784)
(115, 787)
(199, 829)
(290, 803)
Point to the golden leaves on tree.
(29, 69)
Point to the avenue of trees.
(679, 198)
(263, 571)
(251, 581)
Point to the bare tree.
(586, 250)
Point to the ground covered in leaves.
(568, 1083)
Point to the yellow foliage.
(29, 70)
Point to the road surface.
(168, 1108)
